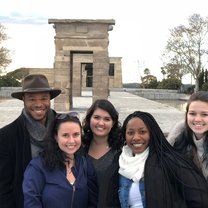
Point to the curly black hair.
(114, 139)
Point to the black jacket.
(15, 154)
(161, 190)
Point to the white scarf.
(132, 167)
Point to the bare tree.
(5, 59)
(187, 47)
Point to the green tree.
(153, 84)
(163, 72)
(205, 86)
(146, 80)
(5, 59)
(170, 83)
(187, 47)
(9, 81)
(205, 76)
(146, 71)
(201, 79)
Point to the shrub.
(205, 86)
(9, 81)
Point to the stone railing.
(152, 94)
(5, 92)
(156, 94)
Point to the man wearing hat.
(24, 138)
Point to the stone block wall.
(116, 80)
(80, 36)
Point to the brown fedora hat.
(35, 83)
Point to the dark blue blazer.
(51, 189)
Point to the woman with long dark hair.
(102, 143)
(60, 177)
(152, 173)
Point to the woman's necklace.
(69, 165)
(69, 174)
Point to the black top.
(106, 169)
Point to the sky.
(139, 36)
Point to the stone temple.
(81, 60)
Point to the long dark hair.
(171, 163)
(159, 145)
(185, 141)
(158, 142)
(114, 139)
(52, 155)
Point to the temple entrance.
(73, 38)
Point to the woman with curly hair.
(191, 137)
(152, 173)
(103, 144)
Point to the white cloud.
(31, 46)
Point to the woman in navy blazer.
(60, 177)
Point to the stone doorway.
(75, 41)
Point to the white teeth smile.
(99, 128)
(198, 124)
(137, 145)
(38, 111)
(70, 146)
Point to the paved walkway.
(124, 102)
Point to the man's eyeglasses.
(66, 115)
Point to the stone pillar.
(116, 80)
(100, 75)
(80, 36)
(77, 79)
